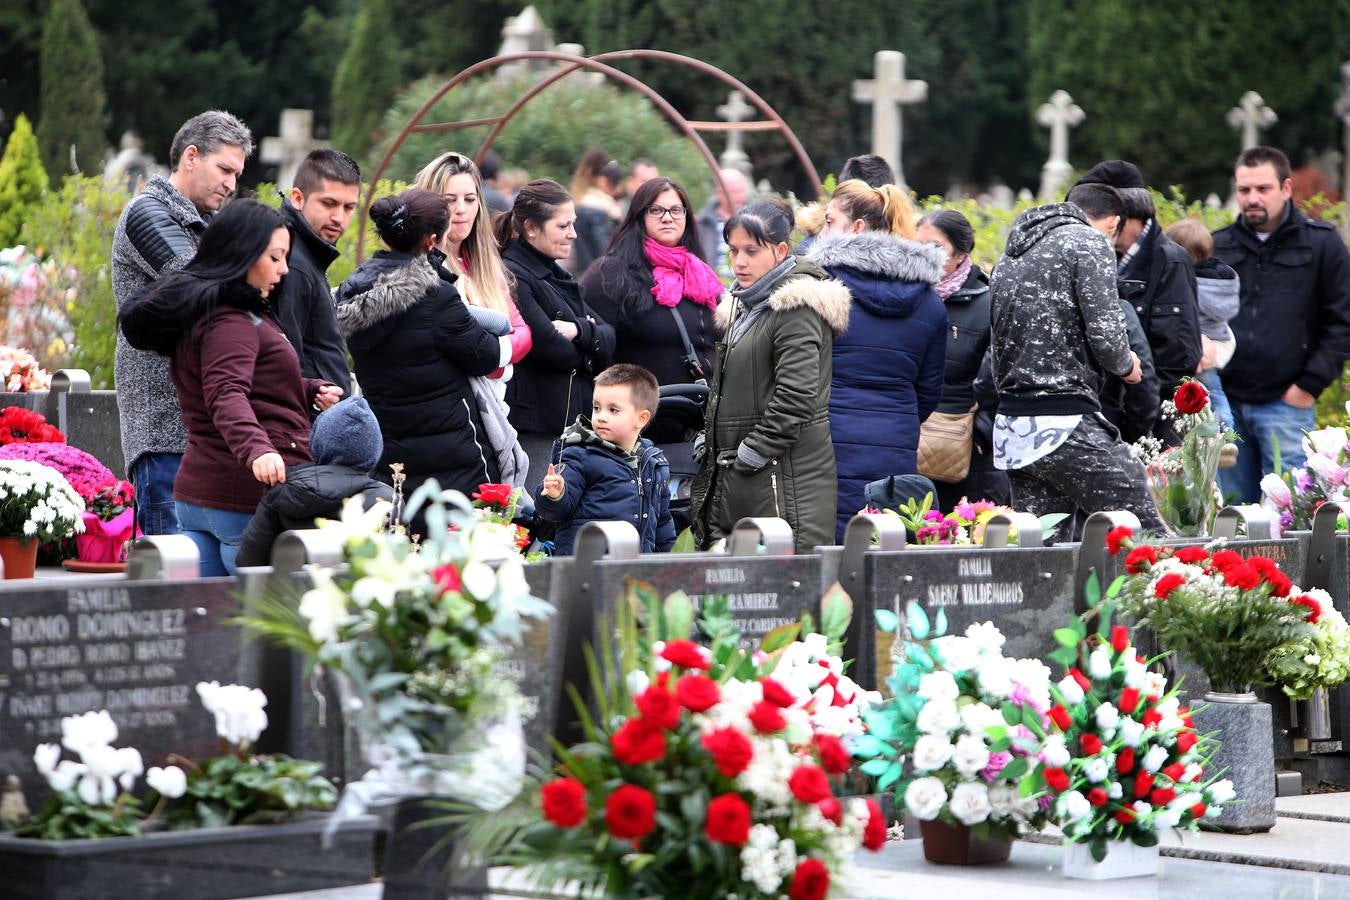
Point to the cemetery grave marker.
(1059, 115)
(1251, 116)
(889, 91)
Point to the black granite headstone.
(538, 661)
(136, 649)
(90, 421)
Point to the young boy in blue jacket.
(608, 471)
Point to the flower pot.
(105, 542)
(19, 556)
(1124, 859)
(1315, 713)
(957, 846)
(200, 864)
(1246, 755)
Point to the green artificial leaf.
(836, 611)
(940, 623)
(1066, 637)
(1011, 714)
(1015, 769)
(917, 620)
(1146, 839)
(679, 611)
(780, 637)
(1065, 656)
(869, 745)
(1050, 521)
(887, 620)
(891, 776)
(685, 542)
(1097, 847)
(875, 767)
(1092, 591)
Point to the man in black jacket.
(319, 209)
(1293, 327)
(1156, 278)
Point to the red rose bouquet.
(19, 426)
(495, 507)
(1182, 478)
(1122, 758)
(1225, 613)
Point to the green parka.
(773, 392)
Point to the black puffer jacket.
(967, 340)
(415, 347)
(306, 305)
(1133, 408)
(538, 392)
(309, 492)
(1159, 282)
(1294, 323)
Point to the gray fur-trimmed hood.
(382, 289)
(826, 297)
(879, 255)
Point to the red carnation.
(1125, 815)
(446, 578)
(834, 758)
(1091, 744)
(832, 809)
(731, 751)
(767, 718)
(1227, 559)
(1060, 716)
(809, 783)
(728, 820)
(1280, 585)
(630, 812)
(658, 706)
(1115, 536)
(1191, 555)
(1175, 771)
(685, 654)
(1143, 783)
(1057, 779)
(1083, 681)
(1190, 398)
(564, 802)
(1186, 740)
(776, 694)
(1120, 638)
(811, 881)
(1312, 606)
(1097, 797)
(1198, 810)
(1151, 718)
(638, 741)
(1125, 761)
(874, 833)
(1162, 796)
(1243, 577)
(1167, 584)
(1136, 558)
(697, 693)
(1129, 699)
(496, 494)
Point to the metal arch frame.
(596, 64)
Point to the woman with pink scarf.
(652, 281)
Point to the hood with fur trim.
(808, 286)
(886, 275)
(382, 289)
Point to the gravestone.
(735, 111)
(292, 143)
(89, 419)
(538, 661)
(524, 33)
(1251, 116)
(137, 650)
(1059, 115)
(889, 91)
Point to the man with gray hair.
(713, 217)
(158, 234)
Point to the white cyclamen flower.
(931, 752)
(1154, 758)
(925, 798)
(1099, 663)
(938, 686)
(169, 781)
(971, 755)
(970, 802)
(1070, 691)
(88, 730)
(938, 717)
(238, 710)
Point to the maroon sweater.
(242, 395)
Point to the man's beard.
(1256, 215)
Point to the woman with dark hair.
(964, 290)
(572, 343)
(597, 187)
(244, 402)
(653, 286)
(767, 449)
(416, 346)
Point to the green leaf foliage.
(22, 181)
(235, 789)
(367, 79)
(67, 817)
(74, 109)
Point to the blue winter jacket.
(888, 365)
(603, 486)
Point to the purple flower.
(997, 761)
(1286, 520)
(933, 515)
(1302, 480)
(1044, 803)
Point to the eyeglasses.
(660, 212)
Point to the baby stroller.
(678, 421)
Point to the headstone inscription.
(137, 650)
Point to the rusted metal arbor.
(599, 63)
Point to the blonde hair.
(486, 282)
(885, 208)
(1193, 237)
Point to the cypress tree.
(22, 181)
(73, 104)
(367, 79)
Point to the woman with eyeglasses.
(653, 286)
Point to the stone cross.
(1059, 115)
(1343, 110)
(736, 110)
(1251, 116)
(287, 150)
(888, 90)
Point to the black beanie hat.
(1116, 172)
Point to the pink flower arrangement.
(85, 473)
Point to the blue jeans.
(216, 532)
(152, 476)
(1218, 400)
(1260, 426)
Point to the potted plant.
(36, 505)
(108, 517)
(1308, 667)
(1123, 759)
(1181, 478)
(1227, 615)
(203, 836)
(956, 739)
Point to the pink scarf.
(952, 283)
(679, 274)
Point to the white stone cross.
(736, 110)
(888, 90)
(1251, 116)
(1059, 115)
(1343, 110)
(290, 148)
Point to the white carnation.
(1154, 758)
